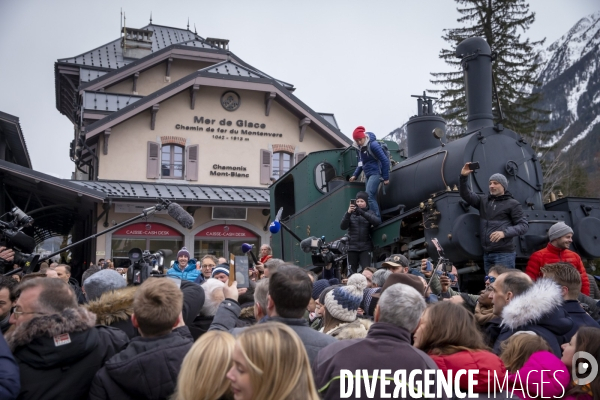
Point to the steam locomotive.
(422, 200)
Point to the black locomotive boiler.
(422, 200)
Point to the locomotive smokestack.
(477, 66)
(419, 127)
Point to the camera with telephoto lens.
(323, 253)
(12, 238)
(145, 264)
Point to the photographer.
(358, 220)
(6, 259)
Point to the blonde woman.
(204, 369)
(270, 363)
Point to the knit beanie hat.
(559, 230)
(220, 269)
(318, 287)
(501, 179)
(334, 281)
(324, 293)
(358, 133)
(363, 195)
(183, 252)
(103, 281)
(343, 302)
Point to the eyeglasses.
(490, 278)
(208, 266)
(18, 312)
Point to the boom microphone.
(275, 226)
(176, 212)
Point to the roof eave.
(200, 77)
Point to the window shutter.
(191, 163)
(153, 161)
(265, 167)
(299, 157)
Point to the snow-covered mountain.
(571, 90)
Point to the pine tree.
(516, 67)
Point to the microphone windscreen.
(176, 212)
(246, 247)
(165, 252)
(307, 244)
(275, 227)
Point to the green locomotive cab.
(314, 195)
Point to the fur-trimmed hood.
(357, 329)
(113, 306)
(541, 300)
(71, 320)
(247, 312)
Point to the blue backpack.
(386, 151)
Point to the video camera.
(12, 238)
(144, 264)
(325, 253)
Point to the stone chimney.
(219, 43)
(136, 43)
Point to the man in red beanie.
(374, 162)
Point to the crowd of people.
(297, 333)
(292, 332)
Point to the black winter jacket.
(579, 316)
(10, 384)
(59, 354)
(359, 225)
(497, 213)
(146, 369)
(385, 347)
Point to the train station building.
(161, 112)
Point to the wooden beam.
(70, 83)
(268, 100)
(153, 118)
(106, 137)
(135, 79)
(193, 90)
(303, 124)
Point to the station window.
(172, 161)
(282, 162)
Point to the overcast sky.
(359, 60)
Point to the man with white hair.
(386, 347)
(216, 294)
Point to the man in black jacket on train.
(501, 219)
(358, 220)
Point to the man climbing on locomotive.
(501, 219)
(374, 162)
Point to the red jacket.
(265, 258)
(486, 362)
(551, 255)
